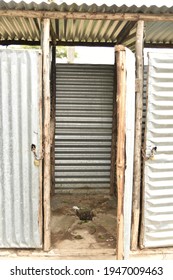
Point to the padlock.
(36, 162)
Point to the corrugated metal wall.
(144, 115)
(144, 101)
(157, 226)
(83, 125)
(20, 223)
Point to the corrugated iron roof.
(128, 3)
(111, 6)
(74, 30)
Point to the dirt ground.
(69, 232)
(73, 239)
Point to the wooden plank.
(138, 137)
(121, 142)
(58, 43)
(87, 15)
(53, 114)
(89, 44)
(19, 42)
(46, 138)
(114, 138)
(159, 45)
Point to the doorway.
(85, 194)
(83, 139)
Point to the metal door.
(157, 209)
(20, 127)
(83, 137)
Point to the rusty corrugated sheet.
(157, 225)
(20, 220)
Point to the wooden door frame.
(46, 133)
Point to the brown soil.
(69, 232)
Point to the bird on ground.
(84, 214)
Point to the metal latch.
(36, 157)
(151, 153)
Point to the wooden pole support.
(114, 138)
(53, 118)
(46, 132)
(87, 15)
(138, 137)
(121, 142)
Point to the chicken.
(84, 214)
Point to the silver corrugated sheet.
(19, 128)
(144, 101)
(15, 28)
(145, 82)
(145, 91)
(83, 125)
(157, 227)
(158, 32)
(88, 31)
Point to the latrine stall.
(27, 131)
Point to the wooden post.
(121, 148)
(138, 136)
(46, 132)
(114, 137)
(40, 220)
(86, 15)
(53, 118)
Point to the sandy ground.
(73, 239)
(69, 232)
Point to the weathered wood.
(53, 115)
(121, 142)
(46, 132)
(158, 46)
(142, 220)
(87, 15)
(40, 219)
(89, 44)
(138, 137)
(58, 43)
(114, 137)
(19, 42)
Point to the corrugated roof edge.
(74, 7)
